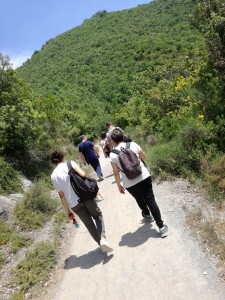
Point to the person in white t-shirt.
(141, 186)
(89, 213)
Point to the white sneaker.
(104, 246)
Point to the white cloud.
(18, 59)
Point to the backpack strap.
(116, 151)
(127, 145)
(69, 165)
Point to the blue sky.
(26, 25)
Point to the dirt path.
(142, 266)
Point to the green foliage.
(213, 170)
(209, 18)
(19, 241)
(28, 219)
(18, 125)
(36, 265)
(167, 158)
(125, 50)
(9, 178)
(36, 208)
(5, 232)
(60, 219)
(186, 150)
(2, 259)
(38, 198)
(146, 69)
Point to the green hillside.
(95, 64)
(157, 70)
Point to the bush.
(37, 198)
(213, 176)
(36, 208)
(36, 265)
(2, 259)
(9, 178)
(27, 218)
(19, 241)
(60, 219)
(5, 232)
(168, 157)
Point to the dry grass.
(209, 227)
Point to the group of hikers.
(139, 185)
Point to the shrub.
(19, 241)
(5, 232)
(213, 175)
(168, 157)
(59, 221)
(36, 208)
(196, 136)
(36, 265)
(9, 178)
(27, 218)
(37, 198)
(2, 259)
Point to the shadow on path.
(109, 175)
(87, 260)
(139, 237)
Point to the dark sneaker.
(148, 217)
(163, 231)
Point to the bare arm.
(64, 203)
(111, 146)
(70, 215)
(117, 177)
(83, 159)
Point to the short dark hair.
(57, 157)
(82, 137)
(103, 135)
(107, 124)
(117, 135)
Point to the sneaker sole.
(149, 220)
(106, 248)
(163, 235)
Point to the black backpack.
(129, 161)
(85, 188)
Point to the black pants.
(143, 194)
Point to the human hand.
(70, 215)
(122, 189)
